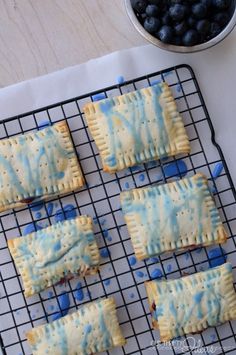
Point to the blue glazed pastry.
(93, 328)
(38, 165)
(56, 253)
(137, 127)
(172, 216)
(192, 303)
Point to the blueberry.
(166, 19)
(190, 38)
(191, 22)
(203, 26)
(180, 28)
(139, 5)
(214, 29)
(177, 12)
(222, 18)
(221, 4)
(199, 10)
(152, 10)
(151, 24)
(165, 34)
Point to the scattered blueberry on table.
(183, 22)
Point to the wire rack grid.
(120, 275)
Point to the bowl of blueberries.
(184, 26)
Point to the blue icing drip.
(156, 273)
(158, 312)
(134, 169)
(79, 293)
(198, 299)
(154, 260)
(36, 206)
(139, 273)
(177, 168)
(217, 257)
(169, 267)
(64, 302)
(98, 97)
(126, 185)
(141, 177)
(49, 208)
(30, 228)
(68, 212)
(107, 282)
(120, 79)
(218, 168)
(132, 260)
(38, 215)
(106, 334)
(50, 294)
(155, 82)
(132, 295)
(104, 252)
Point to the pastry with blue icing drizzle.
(93, 328)
(137, 127)
(38, 165)
(58, 252)
(192, 303)
(177, 215)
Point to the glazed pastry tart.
(192, 303)
(168, 217)
(137, 127)
(37, 166)
(93, 328)
(55, 254)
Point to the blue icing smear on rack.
(104, 252)
(120, 80)
(37, 206)
(217, 257)
(156, 273)
(107, 282)
(44, 124)
(68, 212)
(30, 228)
(132, 260)
(139, 273)
(126, 185)
(141, 177)
(49, 208)
(218, 168)
(64, 302)
(98, 97)
(169, 267)
(79, 293)
(177, 168)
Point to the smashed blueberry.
(165, 34)
(183, 22)
(190, 38)
(177, 12)
(151, 24)
(152, 10)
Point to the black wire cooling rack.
(120, 275)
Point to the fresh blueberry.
(151, 24)
(152, 10)
(191, 22)
(180, 28)
(139, 5)
(166, 19)
(190, 38)
(165, 34)
(214, 29)
(199, 10)
(203, 26)
(221, 4)
(222, 18)
(177, 12)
